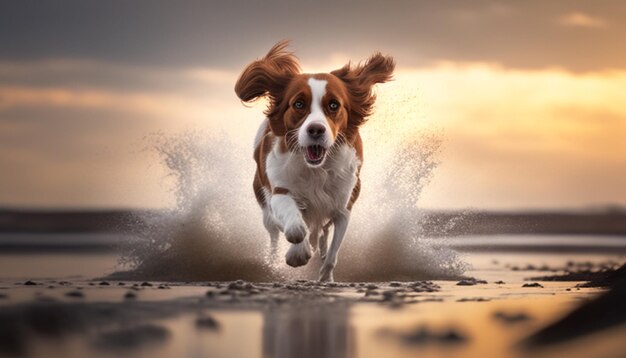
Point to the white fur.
(322, 193)
(273, 229)
(287, 215)
(260, 132)
(316, 115)
(298, 254)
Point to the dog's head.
(312, 112)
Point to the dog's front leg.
(340, 222)
(288, 216)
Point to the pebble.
(130, 295)
(470, 282)
(207, 322)
(76, 294)
(532, 284)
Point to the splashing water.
(215, 232)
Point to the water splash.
(215, 231)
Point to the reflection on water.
(193, 326)
(58, 316)
(307, 332)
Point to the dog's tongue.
(314, 152)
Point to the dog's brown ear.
(268, 77)
(361, 78)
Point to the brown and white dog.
(308, 150)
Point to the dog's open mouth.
(314, 154)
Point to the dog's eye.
(299, 104)
(333, 105)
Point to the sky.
(526, 96)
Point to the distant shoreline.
(456, 223)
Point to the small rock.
(371, 286)
(30, 283)
(470, 282)
(532, 284)
(130, 295)
(500, 282)
(76, 294)
(423, 336)
(104, 283)
(389, 295)
(474, 299)
(207, 322)
(146, 284)
(121, 284)
(511, 318)
(395, 284)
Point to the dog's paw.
(298, 254)
(296, 233)
(326, 273)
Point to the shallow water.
(328, 321)
(162, 320)
(98, 255)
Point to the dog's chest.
(320, 192)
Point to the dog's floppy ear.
(360, 79)
(268, 77)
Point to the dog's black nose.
(316, 131)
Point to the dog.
(308, 150)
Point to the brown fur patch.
(277, 76)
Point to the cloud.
(581, 19)
(512, 137)
(226, 35)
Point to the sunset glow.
(518, 138)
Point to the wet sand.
(476, 316)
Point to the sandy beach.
(492, 311)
